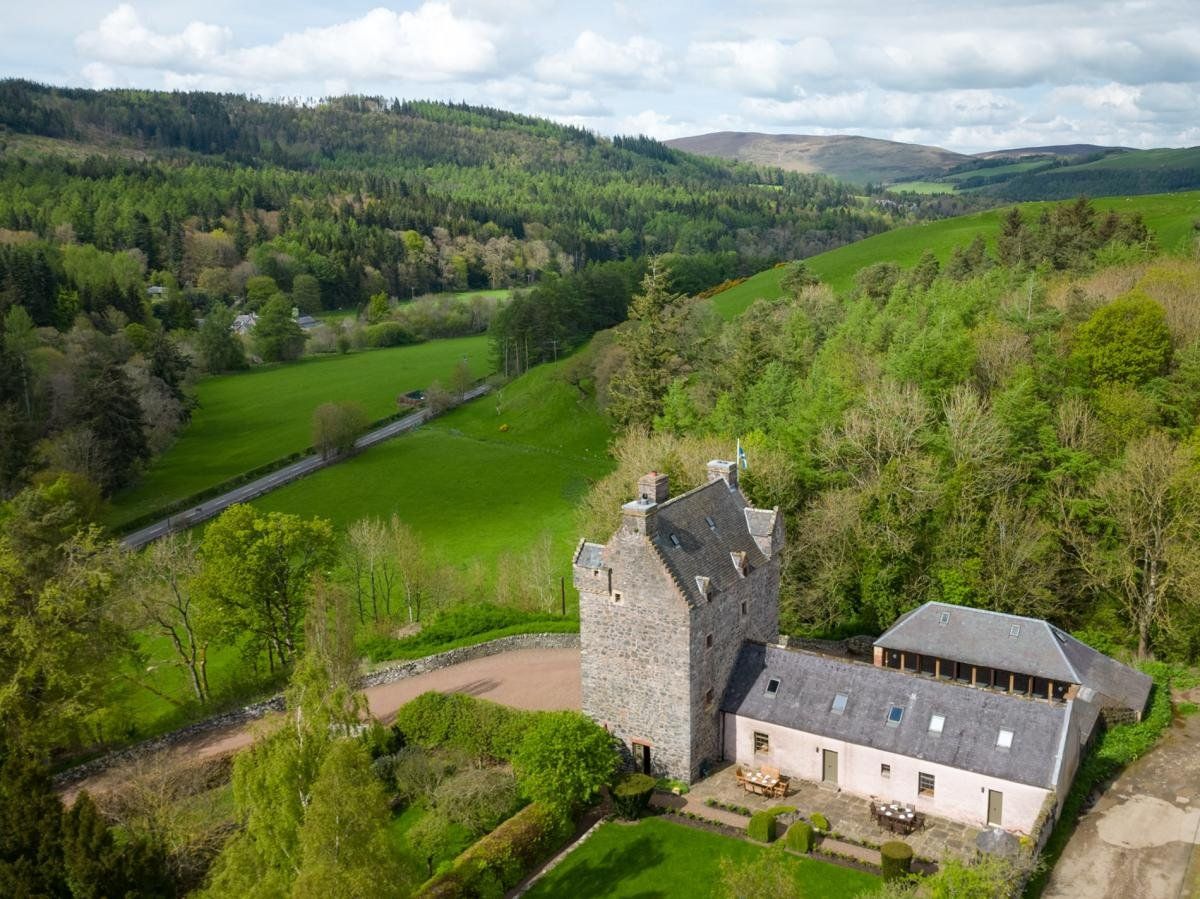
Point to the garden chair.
(740, 776)
(780, 790)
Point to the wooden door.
(644, 757)
(829, 772)
(995, 812)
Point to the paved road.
(211, 507)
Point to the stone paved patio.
(849, 816)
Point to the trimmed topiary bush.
(761, 827)
(800, 837)
(895, 858)
(820, 822)
(778, 810)
(631, 795)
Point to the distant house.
(244, 323)
(307, 322)
(156, 292)
(966, 714)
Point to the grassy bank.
(250, 418)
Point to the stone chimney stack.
(641, 515)
(720, 470)
(654, 487)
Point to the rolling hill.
(847, 157)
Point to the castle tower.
(664, 608)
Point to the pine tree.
(639, 388)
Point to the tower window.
(708, 641)
(743, 607)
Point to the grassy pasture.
(1170, 216)
(665, 860)
(471, 490)
(923, 187)
(250, 418)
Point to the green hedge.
(820, 822)
(631, 795)
(800, 837)
(761, 827)
(389, 334)
(456, 720)
(895, 858)
(504, 857)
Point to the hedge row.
(503, 858)
(631, 794)
(460, 721)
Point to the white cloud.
(594, 58)
(427, 45)
(763, 66)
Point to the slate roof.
(982, 637)
(590, 555)
(703, 550)
(809, 682)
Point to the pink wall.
(958, 795)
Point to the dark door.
(995, 808)
(643, 757)
(829, 772)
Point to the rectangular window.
(616, 597)
(936, 723)
(708, 642)
(895, 715)
(743, 607)
(1004, 739)
(925, 784)
(773, 686)
(885, 771)
(839, 703)
(944, 618)
(762, 742)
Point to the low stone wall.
(387, 674)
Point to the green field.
(1169, 215)
(922, 187)
(248, 419)
(471, 491)
(661, 859)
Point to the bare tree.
(162, 598)
(370, 555)
(335, 427)
(411, 566)
(890, 422)
(1149, 553)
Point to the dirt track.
(523, 678)
(1138, 839)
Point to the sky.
(962, 74)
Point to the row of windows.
(925, 782)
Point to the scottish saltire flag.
(741, 457)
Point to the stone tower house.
(664, 608)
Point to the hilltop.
(847, 157)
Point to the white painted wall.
(958, 795)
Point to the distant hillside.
(847, 157)
(1066, 151)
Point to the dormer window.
(895, 715)
(739, 562)
(773, 686)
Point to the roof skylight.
(936, 723)
(944, 618)
(708, 521)
(839, 703)
(1004, 739)
(674, 540)
(895, 714)
(773, 686)
(1015, 630)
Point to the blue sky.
(967, 75)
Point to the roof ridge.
(1058, 646)
(687, 493)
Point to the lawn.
(657, 859)
(250, 418)
(471, 490)
(1168, 215)
(922, 187)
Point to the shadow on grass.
(607, 874)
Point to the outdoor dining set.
(896, 817)
(766, 781)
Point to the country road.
(256, 488)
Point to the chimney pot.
(654, 488)
(720, 470)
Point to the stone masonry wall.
(635, 655)
(389, 673)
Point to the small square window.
(1015, 630)
(839, 703)
(885, 771)
(708, 642)
(1004, 739)
(762, 742)
(895, 715)
(773, 686)
(925, 784)
(616, 597)
(936, 723)
(944, 618)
